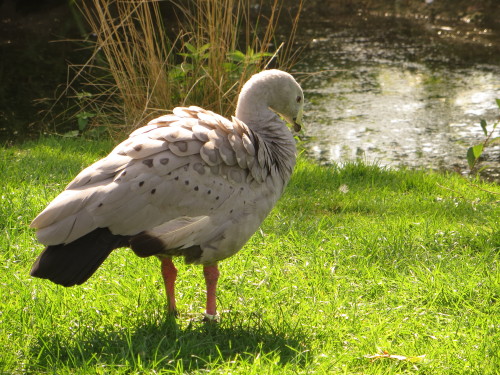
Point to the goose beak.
(297, 122)
(297, 127)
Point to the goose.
(191, 183)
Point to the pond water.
(399, 92)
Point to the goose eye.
(299, 99)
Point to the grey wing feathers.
(156, 176)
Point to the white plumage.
(190, 183)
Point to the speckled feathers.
(187, 180)
(188, 164)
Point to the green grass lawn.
(353, 261)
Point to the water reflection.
(382, 104)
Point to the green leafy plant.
(195, 65)
(474, 152)
(83, 119)
(238, 62)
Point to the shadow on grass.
(167, 345)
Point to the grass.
(352, 262)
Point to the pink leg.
(169, 273)
(211, 274)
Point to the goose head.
(271, 90)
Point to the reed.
(137, 71)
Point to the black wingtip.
(74, 263)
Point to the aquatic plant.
(475, 152)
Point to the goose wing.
(177, 174)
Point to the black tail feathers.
(74, 263)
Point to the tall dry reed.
(137, 72)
